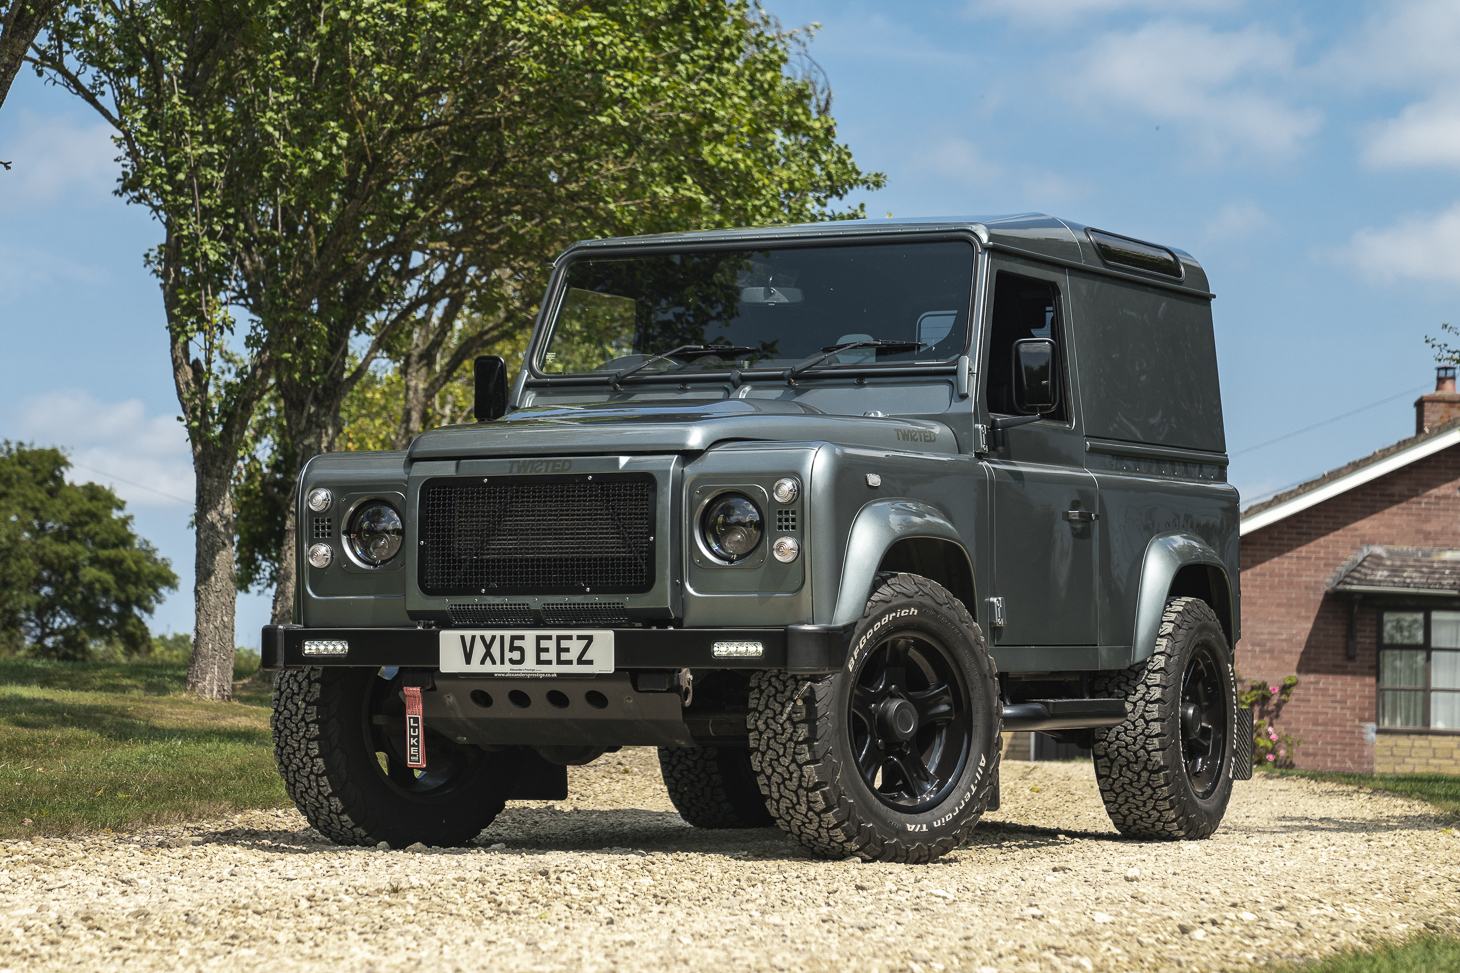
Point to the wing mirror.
(1036, 381)
(489, 376)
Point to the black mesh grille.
(321, 529)
(537, 534)
(586, 614)
(491, 615)
(786, 521)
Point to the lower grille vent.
(492, 615)
(590, 613)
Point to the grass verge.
(1423, 954)
(1441, 790)
(91, 746)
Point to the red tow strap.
(415, 729)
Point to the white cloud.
(1056, 11)
(1403, 43)
(1419, 247)
(1234, 220)
(51, 157)
(145, 459)
(1209, 83)
(1425, 134)
(958, 159)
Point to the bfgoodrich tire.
(339, 743)
(1166, 772)
(714, 787)
(895, 757)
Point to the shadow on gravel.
(1379, 823)
(550, 829)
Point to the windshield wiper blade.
(689, 352)
(884, 347)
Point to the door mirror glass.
(1036, 383)
(490, 378)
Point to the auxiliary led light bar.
(739, 650)
(326, 647)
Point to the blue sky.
(1306, 153)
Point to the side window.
(1023, 308)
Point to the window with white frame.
(1419, 669)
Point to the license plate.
(527, 651)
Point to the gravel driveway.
(613, 880)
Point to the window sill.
(1416, 731)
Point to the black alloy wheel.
(911, 732)
(1204, 721)
(339, 742)
(1167, 771)
(895, 757)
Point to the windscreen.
(769, 308)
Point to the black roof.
(1032, 233)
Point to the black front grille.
(490, 616)
(595, 613)
(519, 534)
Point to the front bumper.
(797, 648)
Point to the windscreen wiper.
(687, 352)
(883, 348)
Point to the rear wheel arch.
(1180, 565)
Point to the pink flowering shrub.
(1271, 747)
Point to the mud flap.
(1242, 745)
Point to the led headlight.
(320, 500)
(375, 533)
(731, 526)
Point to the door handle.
(1081, 516)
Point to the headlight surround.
(375, 533)
(732, 526)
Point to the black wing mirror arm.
(999, 423)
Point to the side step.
(1064, 714)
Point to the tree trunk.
(19, 25)
(286, 578)
(215, 592)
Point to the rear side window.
(1120, 251)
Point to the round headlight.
(375, 533)
(731, 527)
(786, 490)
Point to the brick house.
(1351, 582)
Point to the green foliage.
(1271, 747)
(87, 746)
(1424, 954)
(76, 579)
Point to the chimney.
(1439, 406)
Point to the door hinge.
(996, 613)
(980, 438)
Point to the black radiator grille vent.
(490, 616)
(521, 534)
(322, 529)
(786, 521)
(588, 613)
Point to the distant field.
(91, 746)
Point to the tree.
(75, 573)
(524, 126)
(164, 75)
(20, 22)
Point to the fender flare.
(877, 526)
(1166, 554)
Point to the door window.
(1023, 308)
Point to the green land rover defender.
(819, 511)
